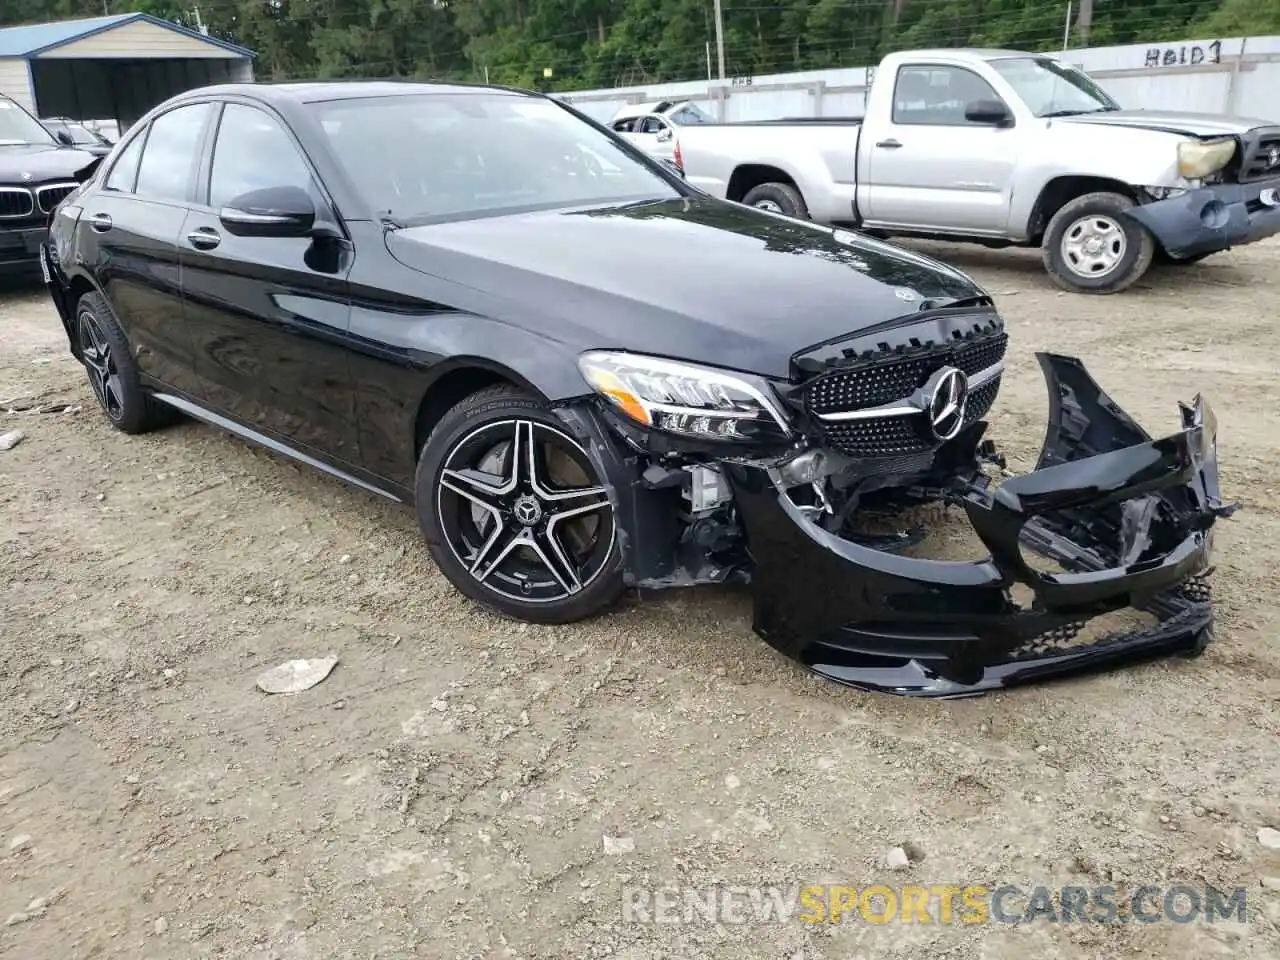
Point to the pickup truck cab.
(1006, 148)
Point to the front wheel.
(1090, 245)
(514, 512)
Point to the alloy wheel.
(1093, 246)
(104, 377)
(521, 511)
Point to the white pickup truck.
(1007, 148)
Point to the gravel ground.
(448, 790)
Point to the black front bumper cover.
(1127, 518)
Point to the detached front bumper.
(1126, 518)
(1213, 218)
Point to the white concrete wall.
(1214, 75)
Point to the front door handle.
(100, 223)
(205, 238)
(888, 145)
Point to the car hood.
(1175, 121)
(696, 279)
(36, 162)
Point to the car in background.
(1007, 148)
(652, 126)
(71, 133)
(586, 376)
(36, 172)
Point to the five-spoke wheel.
(514, 511)
(104, 376)
(113, 374)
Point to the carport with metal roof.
(115, 67)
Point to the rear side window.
(169, 159)
(125, 171)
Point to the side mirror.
(64, 138)
(992, 112)
(270, 212)
(664, 135)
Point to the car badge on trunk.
(948, 391)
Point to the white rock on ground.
(1269, 838)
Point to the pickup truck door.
(926, 167)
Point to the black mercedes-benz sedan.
(585, 375)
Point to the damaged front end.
(1127, 521)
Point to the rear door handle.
(205, 238)
(888, 144)
(100, 223)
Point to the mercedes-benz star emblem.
(527, 511)
(947, 390)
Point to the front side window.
(1053, 89)
(936, 95)
(430, 157)
(253, 151)
(170, 156)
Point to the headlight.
(1200, 158)
(685, 398)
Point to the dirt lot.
(445, 793)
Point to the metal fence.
(1212, 75)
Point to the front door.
(130, 230)
(268, 315)
(931, 169)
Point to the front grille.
(900, 436)
(891, 380)
(50, 195)
(16, 202)
(1261, 158)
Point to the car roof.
(308, 91)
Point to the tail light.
(679, 160)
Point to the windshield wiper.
(1075, 113)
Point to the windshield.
(689, 114)
(432, 157)
(1053, 89)
(18, 126)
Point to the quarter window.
(169, 159)
(253, 151)
(937, 95)
(124, 173)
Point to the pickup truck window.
(652, 125)
(936, 95)
(690, 114)
(625, 126)
(1053, 89)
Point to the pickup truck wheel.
(778, 198)
(1092, 247)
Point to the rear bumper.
(1127, 519)
(1212, 218)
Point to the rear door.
(930, 168)
(268, 315)
(128, 235)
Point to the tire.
(1082, 256)
(113, 373)
(566, 563)
(780, 198)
